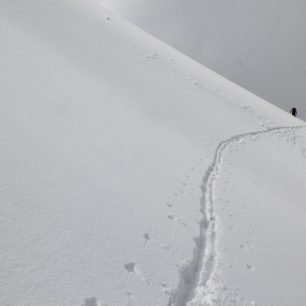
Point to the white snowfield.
(251, 42)
(132, 175)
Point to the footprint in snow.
(130, 297)
(146, 237)
(166, 289)
(171, 217)
(250, 267)
(129, 294)
(165, 246)
(150, 55)
(169, 204)
(247, 108)
(195, 82)
(93, 301)
(178, 220)
(243, 247)
(130, 267)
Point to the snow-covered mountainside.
(132, 175)
(259, 44)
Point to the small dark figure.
(293, 111)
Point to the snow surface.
(132, 175)
(259, 44)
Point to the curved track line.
(195, 278)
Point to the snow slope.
(132, 175)
(264, 40)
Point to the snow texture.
(132, 175)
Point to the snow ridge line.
(195, 277)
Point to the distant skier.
(293, 111)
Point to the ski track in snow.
(195, 277)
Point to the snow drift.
(132, 175)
